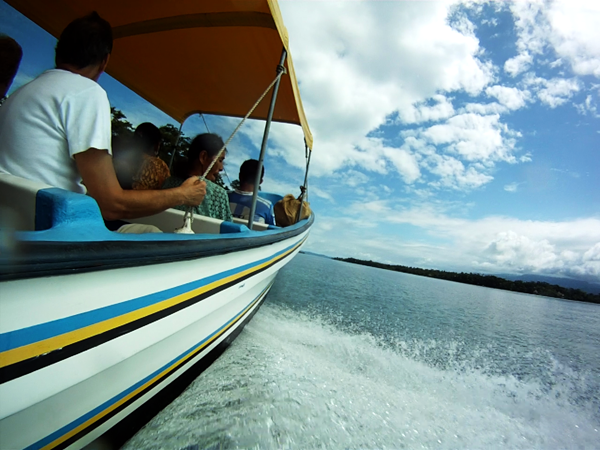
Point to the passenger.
(203, 150)
(240, 200)
(57, 129)
(136, 159)
(154, 171)
(10, 58)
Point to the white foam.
(291, 381)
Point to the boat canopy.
(191, 56)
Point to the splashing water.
(293, 380)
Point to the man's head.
(248, 172)
(149, 137)
(86, 42)
(10, 58)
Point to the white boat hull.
(124, 334)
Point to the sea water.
(347, 356)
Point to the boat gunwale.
(35, 259)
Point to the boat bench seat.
(172, 219)
(27, 205)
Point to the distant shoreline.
(491, 281)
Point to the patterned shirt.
(240, 203)
(215, 203)
(152, 174)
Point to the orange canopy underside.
(191, 56)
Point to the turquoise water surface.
(347, 356)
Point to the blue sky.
(459, 135)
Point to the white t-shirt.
(44, 123)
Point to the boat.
(96, 325)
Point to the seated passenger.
(10, 58)
(240, 200)
(203, 150)
(57, 129)
(136, 159)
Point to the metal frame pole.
(263, 147)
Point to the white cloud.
(512, 98)
(492, 244)
(575, 34)
(361, 62)
(484, 109)
(518, 64)
(354, 178)
(421, 112)
(593, 254)
(474, 137)
(526, 255)
(453, 174)
(520, 253)
(364, 65)
(588, 107)
(557, 91)
(570, 29)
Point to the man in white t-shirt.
(57, 129)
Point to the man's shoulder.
(264, 201)
(61, 84)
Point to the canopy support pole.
(175, 146)
(263, 148)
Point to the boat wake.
(294, 381)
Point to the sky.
(457, 135)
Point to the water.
(346, 356)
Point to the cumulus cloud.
(520, 253)
(473, 137)
(422, 112)
(556, 91)
(484, 109)
(510, 97)
(575, 35)
(570, 29)
(518, 64)
(454, 174)
(416, 70)
(363, 62)
(493, 244)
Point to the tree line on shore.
(491, 281)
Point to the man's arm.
(98, 174)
